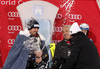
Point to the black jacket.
(84, 53)
(61, 54)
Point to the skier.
(26, 51)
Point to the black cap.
(32, 24)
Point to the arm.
(57, 58)
(41, 55)
(14, 52)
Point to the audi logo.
(13, 14)
(58, 29)
(59, 16)
(11, 41)
(75, 16)
(55, 41)
(14, 27)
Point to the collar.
(36, 35)
(27, 34)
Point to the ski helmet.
(84, 26)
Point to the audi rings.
(13, 14)
(57, 29)
(56, 41)
(14, 27)
(11, 41)
(75, 16)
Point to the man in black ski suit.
(62, 50)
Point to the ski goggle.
(84, 28)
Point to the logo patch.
(38, 10)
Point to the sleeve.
(70, 62)
(57, 58)
(17, 43)
(13, 53)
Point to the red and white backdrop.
(81, 11)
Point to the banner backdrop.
(81, 11)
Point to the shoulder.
(80, 38)
(61, 42)
(20, 37)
